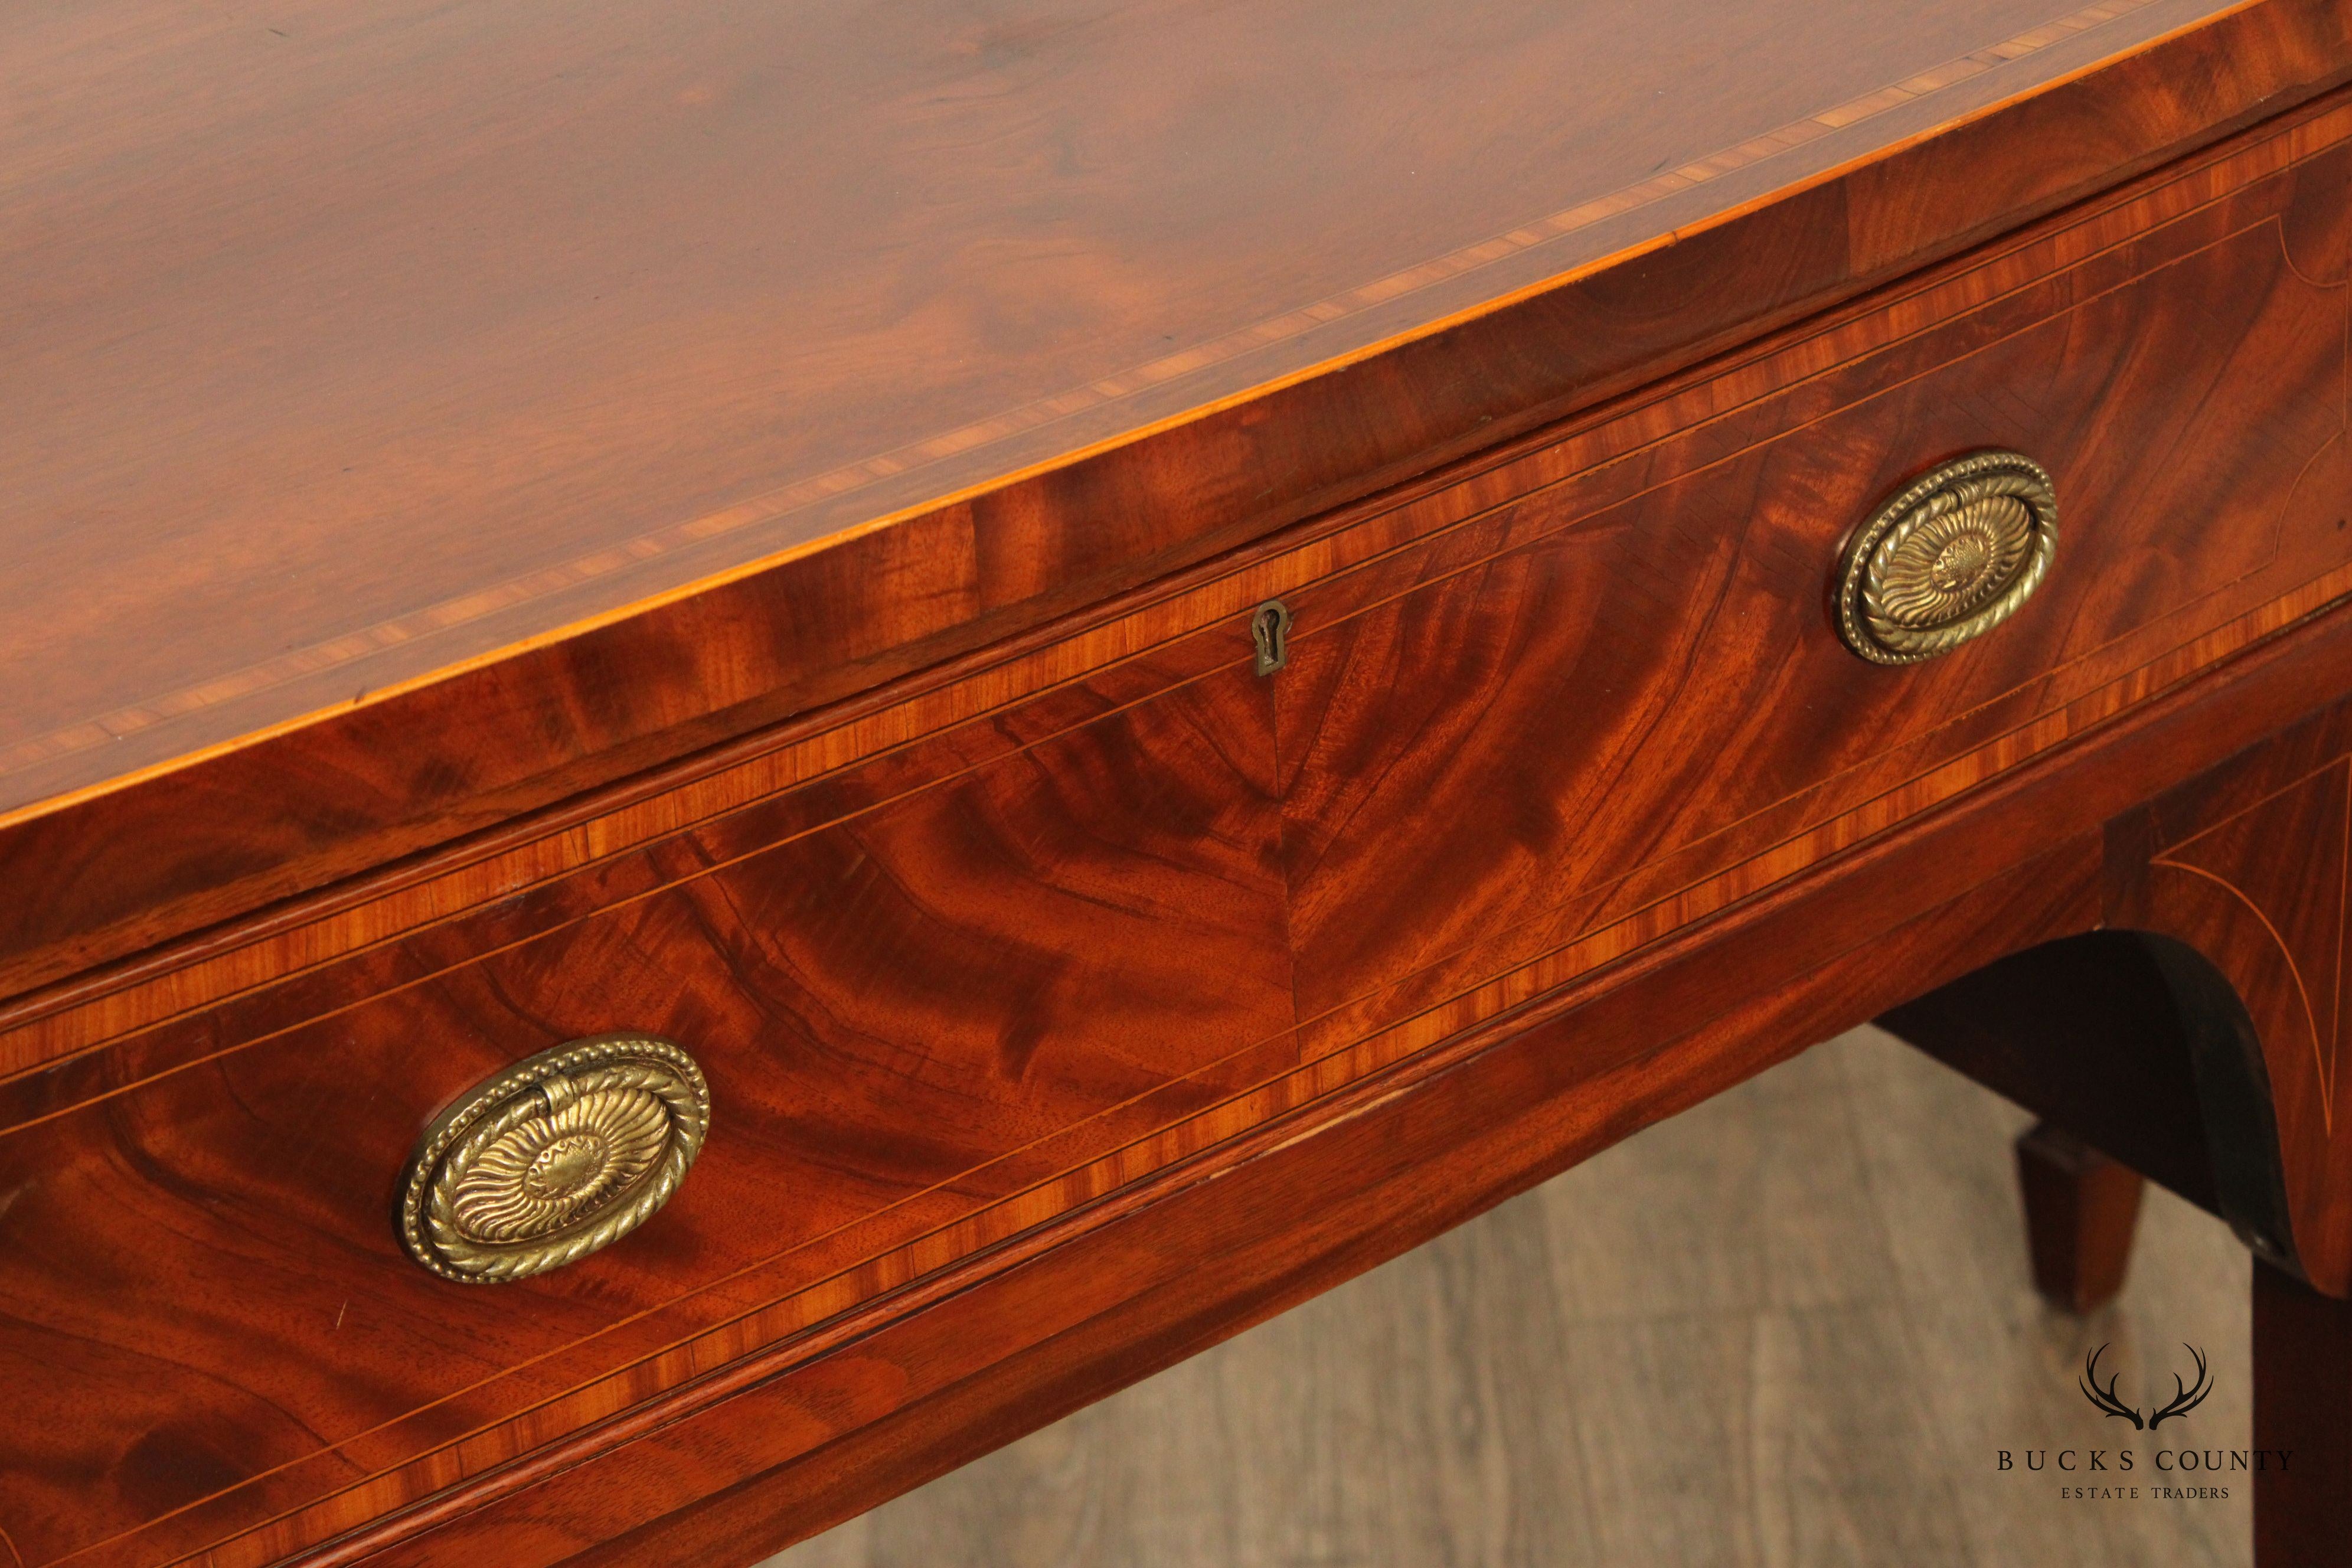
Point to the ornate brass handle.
(1947, 558)
(564, 1152)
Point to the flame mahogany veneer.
(1070, 994)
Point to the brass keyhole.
(1270, 630)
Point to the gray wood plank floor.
(1790, 1327)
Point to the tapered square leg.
(2303, 1419)
(2081, 1208)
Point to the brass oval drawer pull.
(564, 1152)
(1947, 558)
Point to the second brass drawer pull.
(1947, 558)
(565, 1152)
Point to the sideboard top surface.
(352, 347)
(348, 341)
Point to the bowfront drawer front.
(249, 1273)
(302, 1224)
(1654, 680)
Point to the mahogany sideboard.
(742, 745)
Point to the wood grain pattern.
(958, 981)
(1078, 999)
(898, 394)
(777, 1453)
(761, 1414)
(1502, 733)
(2289, 175)
(613, 341)
(2080, 793)
(1211, 1256)
(2211, 865)
(1785, 1326)
(903, 1018)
